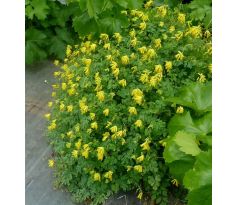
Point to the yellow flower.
(137, 96)
(179, 56)
(195, 31)
(201, 78)
(142, 49)
(175, 182)
(179, 110)
(146, 145)
(53, 94)
(207, 34)
(132, 111)
(107, 46)
(70, 134)
(171, 29)
(52, 126)
(104, 37)
(148, 4)
(134, 42)
(138, 168)
(125, 60)
(85, 151)
(138, 123)
(70, 108)
(56, 62)
(93, 47)
(151, 53)
(113, 129)
(179, 35)
(122, 82)
(75, 153)
(168, 65)
(144, 78)
(51, 163)
(162, 10)
(100, 153)
(181, 18)
(68, 145)
(109, 57)
(97, 176)
(163, 143)
(106, 112)
(132, 33)
(161, 23)
(210, 68)
(105, 136)
(108, 175)
(158, 69)
(157, 43)
(78, 144)
(118, 37)
(87, 62)
(92, 116)
(140, 158)
(100, 96)
(50, 104)
(68, 50)
(71, 91)
(63, 86)
(116, 72)
(142, 26)
(94, 125)
(139, 196)
(61, 107)
(154, 80)
(144, 17)
(47, 116)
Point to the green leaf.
(57, 47)
(196, 96)
(40, 9)
(201, 174)
(202, 195)
(33, 34)
(83, 25)
(187, 143)
(178, 168)
(185, 122)
(94, 7)
(172, 153)
(33, 52)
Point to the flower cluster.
(109, 108)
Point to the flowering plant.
(110, 111)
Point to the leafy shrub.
(110, 110)
(188, 149)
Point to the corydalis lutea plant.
(109, 108)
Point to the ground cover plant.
(111, 104)
(53, 24)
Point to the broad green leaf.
(57, 47)
(40, 8)
(172, 153)
(196, 96)
(178, 168)
(201, 174)
(94, 7)
(84, 25)
(33, 34)
(202, 195)
(134, 4)
(33, 52)
(187, 143)
(185, 122)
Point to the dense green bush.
(110, 107)
(51, 25)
